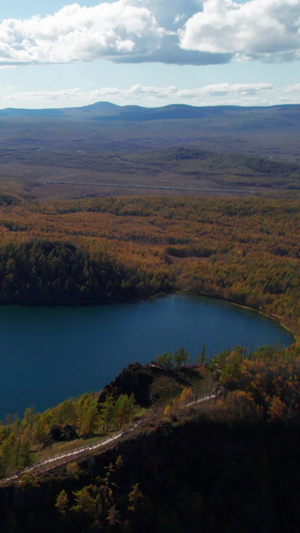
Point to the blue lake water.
(51, 353)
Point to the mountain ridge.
(104, 110)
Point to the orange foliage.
(243, 250)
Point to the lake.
(51, 353)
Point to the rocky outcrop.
(136, 379)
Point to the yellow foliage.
(168, 411)
(62, 502)
(214, 246)
(73, 470)
(277, 409)
(242, 403)
(186, 396)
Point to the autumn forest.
(114, 249)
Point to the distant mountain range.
(111, 112)
(48, 137)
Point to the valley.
(110, 150)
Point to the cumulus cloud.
(78, 33)
(257, 29)
(170, 53)
(170, 13)
(196, 32)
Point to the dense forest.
(45, 272)
(229, 464)
(112, 249)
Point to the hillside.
(224, 464)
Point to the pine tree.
(62, 501)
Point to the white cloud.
(293, 88)
(257, 29)
(78, 33)
(196, 32)
(137, 92)
(222, 89)
(62, 95)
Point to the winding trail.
(57, 460)
(46, 465)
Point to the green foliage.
(84, 416)
(165, 388)
(62, 501)
(231, 372)
(73, 470)
(123, 409)
(202, 357)
(165, 359)
(28, 481)
(107, 412)
(88, 418)
(181, 357)
(16, 454)
(84, 502)
(54, 272)
(96, 503)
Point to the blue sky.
(149, 52)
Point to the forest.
(115, 249)
(106, 250)
(46, 272)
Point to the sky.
(152, 53)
